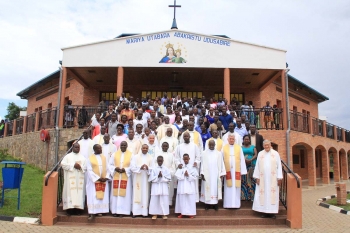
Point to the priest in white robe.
(161, 130)
(86, 145)
(218, 142)
(134, 144)
(172, 141)
(235, 167)
(147, 132)
(108, 148)
(195, 157)
(98, 139)
(73, 194)
(121, 190)
(159, 177)
(140, 165)
(195, 137)
(268, 175)
(153, 148)
(97, 190)
(238, 138)
(169, 162)
(186, 189)
(212, 171)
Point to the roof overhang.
(197, 51)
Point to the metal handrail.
(56, 167)
(290, 171)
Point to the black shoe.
(206, 207)
(115, 215)
(216, 207)
(144, 216)
(264, 216)
(133, 216)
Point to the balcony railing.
(317, 126)
(80, 116)
(330, 130)
(299, 122)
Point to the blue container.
(12, 177)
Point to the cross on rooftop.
(174, 26)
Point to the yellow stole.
(99, 186)
(218, 143)
(121, 178)
(195, 137)
(237, 155)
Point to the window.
(111, 96)
(239, 97)
(160, 94)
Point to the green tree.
(13, 111)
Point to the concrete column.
(335, 133)
(49, 200)
(324, 129)
(5, 129)
(344, 166)
(325, 167)
(120, 80)
(14, 126)
(336, 168)
(284, 104)
(294, 203)
(227, 87)
(37, 118)
(25, 122)
(311, 166)
(63, 95)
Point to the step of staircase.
(243, 216)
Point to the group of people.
(133, 161)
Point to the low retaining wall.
(33, 151)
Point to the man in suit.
(256, 139)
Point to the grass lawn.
(333, 201)
(31, 192)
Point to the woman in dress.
(178, 122)
(120, 136)
(248, 182)
(210, 117)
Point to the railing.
(60, 172)
(339, 134)
(347, 136)
(47, 118)
(79, 115)
(299, 122)
(283, 187)
(317, 127)
(19, 125)
(329, 131)
(263, 118)
(31, 123)
(9, 128)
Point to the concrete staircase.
(244, 216)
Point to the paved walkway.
(315, 219)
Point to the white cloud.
(315, 33)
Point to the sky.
(314, 33)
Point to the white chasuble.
(73, 194)
(212, 167)
(268, 169)
(95, 205)
(121, 204)
(141, 186)
(232, 195)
